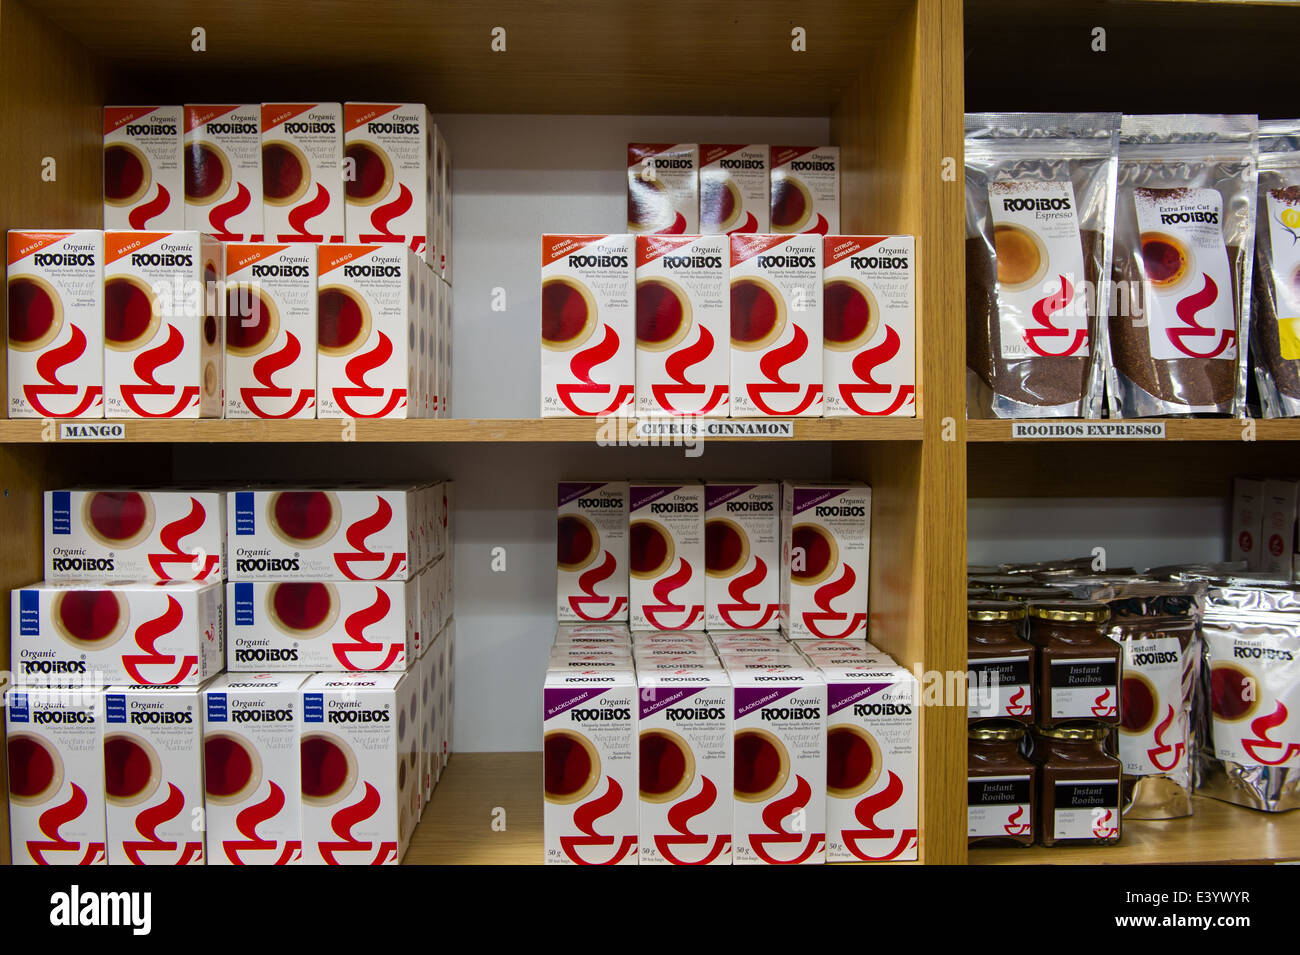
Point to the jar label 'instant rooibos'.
(1085, 689)
(1284, 240)
(999, 686)
(1153, 728)
(1042, 305)
(1185, 269)
(1086, 809)
(998, 806)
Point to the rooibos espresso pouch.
(1275, 312)
(1184, 224)
(1039, 206)
(1249, 720)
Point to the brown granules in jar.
(1264, 330)
(1189, 381)
(1032, 381)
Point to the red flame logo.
(383, 215)
(48, 365)
(264, 370)
(864, 367)
(355, 627)
(774, 814)
(663, 589)
(676, 366)
(1102, 705)
(581, 365)
(170, 538)
(342, 824)
(147, 822)
(680, 816)
(1043, 311)
(1261, 747)
(303, 213)
(587, 582)
(1101, 828)
(221, 214)
(585, 818)
(1018, 703)
(356, 370)
(738, 590)
(146, 366)
(770, 365)
(1014, 827)
(1162, 749)
(148, 634)
(897, 841)
(823, 596)
(247, 822)
(357, 534)
(139, 216)
(54, 818)
(1187, 309)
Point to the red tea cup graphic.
(329, 769)
(35, 313)
(1166, 260)
(757, 314)
(852, 761)
(1021, 257)
(131, 315)
(667, 766)
(820, 555)
(90, 619)
(1139, 703)
(373, 173)
(304, 518)
(726, 547)
(343, 321)
(663, 314)
(720, 204)
(569, 314)
(132, 771)
(572, 767)
(285, 173)
(650, 550)
(1233, 693)
(302, 609)
(207, 173)
(792, 204)
(126, 174)
(232, 769)
(118, 519)
(577, 542)
(850, 315)
(35, 770)
(252, 320)
(649, 206)
(762, 765)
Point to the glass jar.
(1000, 786)
(1076, 666)
(1078, 785)
(1000, 663)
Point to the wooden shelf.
(456, 828)
(448, 430)
(1176, 429)
(1218, 832)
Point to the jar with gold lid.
(1078, 785)
(999, 662)
(1000, 786)
(1076, 666)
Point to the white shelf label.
(92, 431)
(1145, 430)
(711, 428)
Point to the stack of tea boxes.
(711, 696)
(274, 260)
(253, 676)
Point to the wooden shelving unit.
(888, 78)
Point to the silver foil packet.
(1248, 745)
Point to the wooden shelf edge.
(446, 430)
(1216, 833)
(1176, 429)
